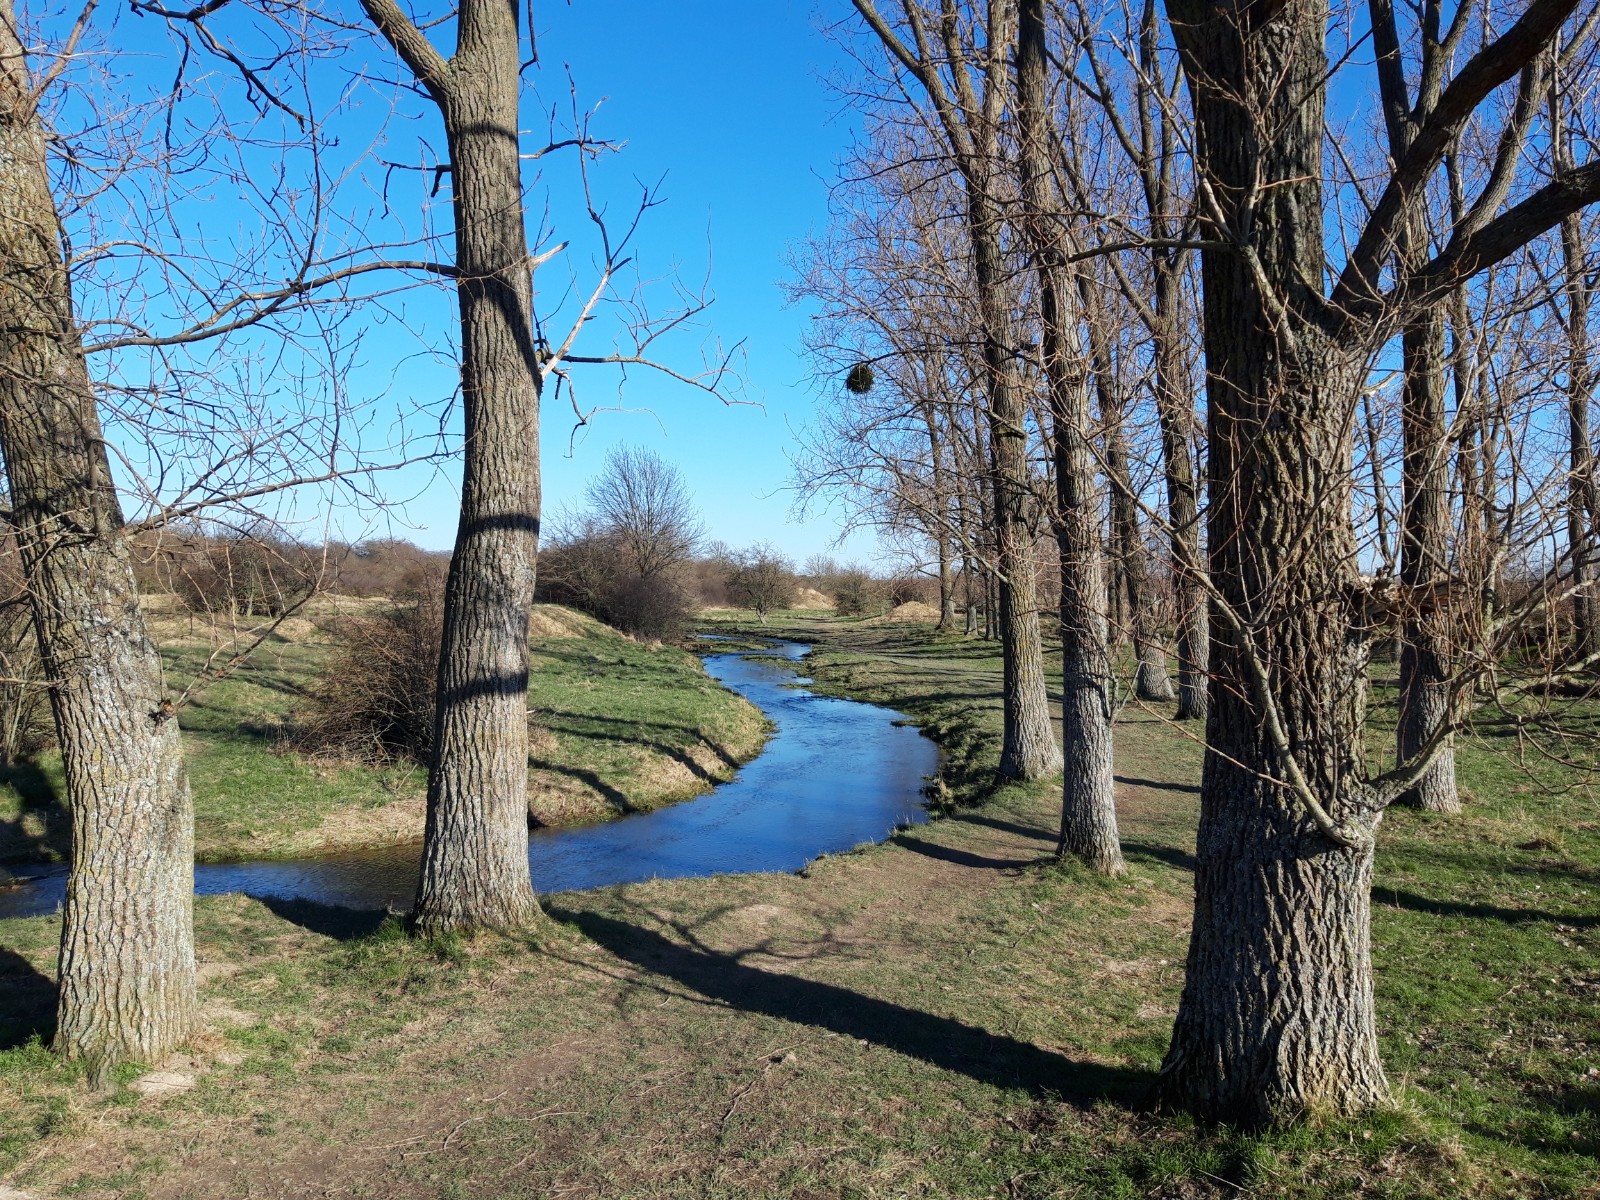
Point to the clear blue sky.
(727, 105)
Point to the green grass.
(630, 727)
(950, 1014)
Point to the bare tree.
(1088, 808)
(762, 578)
(641, 501)
(1277, 1014)
(475, 861)
(961, 69)
(68, 433)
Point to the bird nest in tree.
(860, 379)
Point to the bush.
(856, 593)
(251, 574)
(376, 699)
(654, 607)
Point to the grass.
(949, 1014)
(619, 726)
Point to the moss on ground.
(949, 1014)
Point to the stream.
(836, 773)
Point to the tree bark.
(1175, 413)
(1029, 749)
(1424, 552)
(127, 986)
(1277, 1014)
(1151, 681)
(1088, 807)
(1583, 485)
(475, 853)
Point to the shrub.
(376, 698)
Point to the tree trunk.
(942, 539)
(1277, 1014)
(1088, 807)
(127, 987)
(1424, 553)
(1150, 682)
(1583, 485)
(475, 854)
(1029, 748)
(1175, 412)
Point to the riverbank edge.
(399, 822)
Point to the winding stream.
(835, 774)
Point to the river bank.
(618, 726)
(948, 1014)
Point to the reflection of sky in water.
(837, 773)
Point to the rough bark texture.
(1277, 1013)
(127, 987)
(475, 856)
(1088, 808)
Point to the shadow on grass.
(1159, 785)
(40, 800)
(1027, 831)
(1171, 855)
(613, 796)
(27, 1001)
(1394, 898)
(966, 858)
(330, 920)
(942, 1042)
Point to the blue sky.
(728, 109)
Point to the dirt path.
(752, 1035)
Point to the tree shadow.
(614, 797)
(329, 920)
(1027, 831)
(942, 1042)
(41, 801)
(966, 858)
(1395, 898)
(1134, 781)
(27, 1001)
(1171, 855)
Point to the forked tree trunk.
(1277, 1011)
(1088, 807)
(127, 987)
(475, 855)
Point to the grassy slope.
(620, 727)
(950, 1014)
